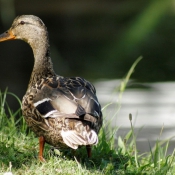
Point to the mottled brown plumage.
(63, 112)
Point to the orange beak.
(8, 35)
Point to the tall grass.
(18, 149)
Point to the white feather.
(41, 101)
(49, 113)
(74, 139)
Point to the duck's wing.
(68, 98)
(73, 100)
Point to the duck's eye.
(22, 22)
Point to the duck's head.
(26, 27)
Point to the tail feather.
(73, 139)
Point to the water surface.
(152, 106)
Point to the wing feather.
(69, 98)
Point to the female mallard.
(63, 112)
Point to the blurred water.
(152, 107)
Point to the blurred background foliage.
(95, 39)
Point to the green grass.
(19, 150)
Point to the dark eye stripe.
(22, 22)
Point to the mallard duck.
(63, 112)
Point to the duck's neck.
(42, 64)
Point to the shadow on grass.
(106, 157)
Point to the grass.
(19, 150)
